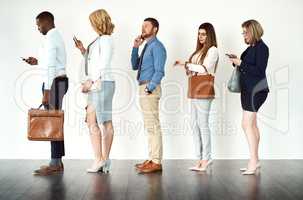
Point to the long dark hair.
(211, 40)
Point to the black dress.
(254, 87)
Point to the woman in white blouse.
(204, 58)
(98, 82)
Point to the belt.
(144, 82)
(62, 76)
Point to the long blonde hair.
(101, 22)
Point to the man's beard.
(146, 35)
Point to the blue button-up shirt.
(152, 68)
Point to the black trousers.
(58, 90)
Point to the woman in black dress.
(254, 88)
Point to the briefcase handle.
(46, 105)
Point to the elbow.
(160, 75)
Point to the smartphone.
(142, 37)
(75, 39)
(231, 55)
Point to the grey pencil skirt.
(102, 100)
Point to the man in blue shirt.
(150, 66)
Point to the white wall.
(279, 118)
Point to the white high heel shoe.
(250, 172)
(245, 168)
(194, 168)
(106, 167)
(96, 167)
(202, 169)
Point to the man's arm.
(135, 58)
(159, 56)
(135, 55)
(50, 62)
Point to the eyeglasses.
(202, 34)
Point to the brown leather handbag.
(201, 86)
(45, 125)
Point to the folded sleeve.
(196, 68)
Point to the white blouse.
(210, 61)
(99, 62)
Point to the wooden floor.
(277, 179)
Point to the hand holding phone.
(75, 39)
(231, 55)
(138, 41)
(79, 45)
(30, 60)
(178, 62)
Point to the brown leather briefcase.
(45, 125)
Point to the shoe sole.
(149, 171)
(47, 173)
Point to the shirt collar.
(50, 32)
(151, 40)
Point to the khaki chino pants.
(150, 109)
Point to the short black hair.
(153, 21)
(45, 15)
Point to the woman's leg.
(107, 139)
(256, 130)
(196, 132)
(95, 133)
(203, 122)
(252, 136)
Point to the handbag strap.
(215, 70)
(196, 73)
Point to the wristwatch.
(147, 91)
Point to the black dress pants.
(58, 90)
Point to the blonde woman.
(254, 88)
(204, 60)
(98, 82)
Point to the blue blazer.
(253, 68)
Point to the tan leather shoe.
(150, 167)
(48, 170)
(140, 165)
